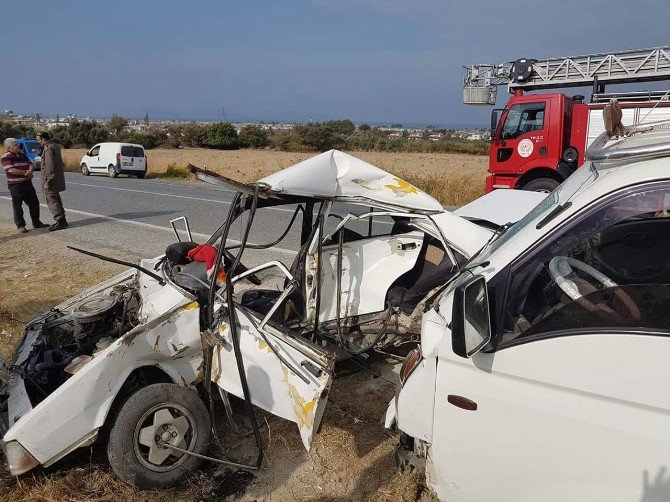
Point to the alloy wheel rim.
(171, 423)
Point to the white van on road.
(114, 159)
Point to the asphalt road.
(130, 218)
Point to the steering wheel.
(560, 267)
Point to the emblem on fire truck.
(525, 147)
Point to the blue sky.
(368, 60)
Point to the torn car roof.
(340, 176)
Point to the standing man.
(19, 171)
(53, 179)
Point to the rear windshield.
(132, 151)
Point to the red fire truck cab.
(538, 140)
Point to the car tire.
(84, 170)
(133, 452)
(544, 185)
(141, 175)
(112, 171)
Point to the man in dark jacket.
(53, 179)
(19, 171)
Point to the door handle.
(462, 402)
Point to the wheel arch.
(138, 378)
(539, 172)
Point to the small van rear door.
(132, 157)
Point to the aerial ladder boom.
(480, 82)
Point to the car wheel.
(141, 175)
(84, 170)
(544, 185)
(112, 172)
(166, 412)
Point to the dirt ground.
(452, 178)
(351, 458)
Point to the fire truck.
(539, 139)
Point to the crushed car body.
(130, 355)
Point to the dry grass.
(351, 458)
(451, 178)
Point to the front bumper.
(495, 182)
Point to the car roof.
(116, 143)
(338, 176)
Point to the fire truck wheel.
(545, 185)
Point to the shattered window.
(611, 268)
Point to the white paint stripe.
(200, 236)
(199, 199)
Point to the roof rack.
(602, 150)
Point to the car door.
(287, 375)
(523, 139)
(580, 417)
(93, 160)
(573, 402)
(140, 158)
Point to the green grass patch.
(173, 171)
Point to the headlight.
(18, 458)
(410, 363)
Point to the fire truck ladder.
(480, 82)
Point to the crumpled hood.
(337, 175)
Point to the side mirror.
(471, 320)
(495, 117)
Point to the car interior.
(610, 269)
(432, 268)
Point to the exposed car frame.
(130, 355)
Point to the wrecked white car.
(131, 360)
(542, 368)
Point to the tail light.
(118, 159)
(410, 363)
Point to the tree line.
(313, 137)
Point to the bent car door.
(287, 376)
